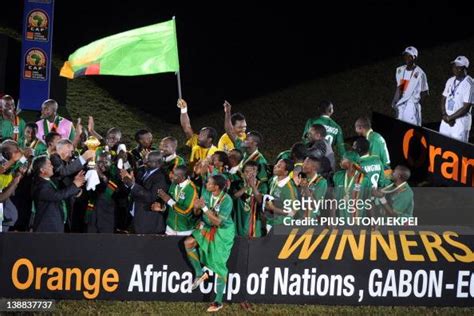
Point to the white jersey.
(411, 84)
(457, 93)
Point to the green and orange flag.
(147, 50)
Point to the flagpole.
(180, 94)
(178, 73)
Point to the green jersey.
(334, 134)
(169, 166)
(350, 193)
(247, 211)
(39, 148)
(298, 166)
(256, 156)
(374, 170)
(222, 205)
(318, 186)
(378, 147)
(180, 215)
(402, 201)
(215, 242)
(13, 130)
(284, 193)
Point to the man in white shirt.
(456, 102)
(412, 86)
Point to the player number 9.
(375, 180)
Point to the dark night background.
(239, 51)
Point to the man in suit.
(50, 211)
(65, 168)
(63, 165)
(144, 191)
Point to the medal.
(348, 185)
(179, 191)
(216, 202)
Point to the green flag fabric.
(147, 50)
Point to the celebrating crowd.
(149, 190)
(45, 185)
(225, 187)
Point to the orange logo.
(445, 162)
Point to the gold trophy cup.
(92, 143)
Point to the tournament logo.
(35, 65)
(37, 28)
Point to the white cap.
(461, 61)
(410, 50)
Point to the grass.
(181, 308)
(354, 92)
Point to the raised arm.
(76, 140)
(91, 128)
(184, 119)
(64, 170)
(229, 129)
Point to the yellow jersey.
(198, 152)
(226, 144)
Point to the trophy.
(92, 143)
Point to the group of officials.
(456, 101)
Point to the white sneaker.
(215, 307)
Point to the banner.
(429, 155)
(427, 267)
(36, 53)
